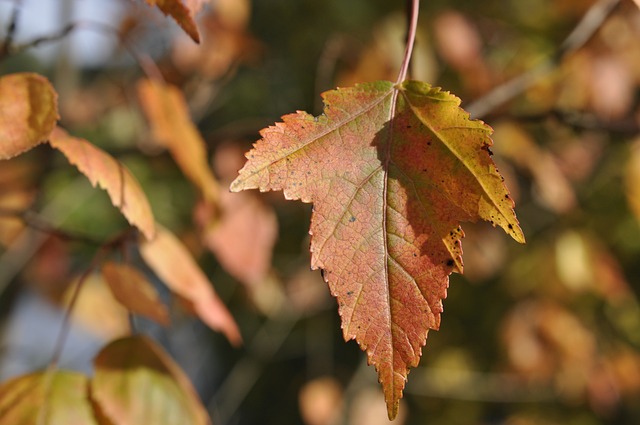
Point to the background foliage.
(538, 334)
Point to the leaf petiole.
(411, 38)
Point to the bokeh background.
(545, 333)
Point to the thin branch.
(35, 222)
(583, 121)
(582, 33)
(411, 38)
(11, 31)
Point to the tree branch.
(586, 28)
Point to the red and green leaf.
(392, 170)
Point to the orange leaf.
(182, 13)
(392, 171)
(103, 170)
(136, 382)
(28, 112)
(133, 291)
(171, 261)
(56, 398)
(167, 112)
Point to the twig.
(11, 31)
(582, 33)
(411, 38)
(35, 222)
(583, 121)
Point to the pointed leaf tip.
(182, 13)
(390, 184)
(173, 263)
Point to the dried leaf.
(135, 292)
(392, 171)
(103, 170)
(171, 261)
(167, 112)
(56, 398)
(28, 112)
(136, 382)
(182, 13)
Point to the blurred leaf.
(242, 238)
(97, 310)
(28, 112)
(134, 292)
(167, 112)
(554, 189)
(46, 398)
(183, 13)
(136, 382)
(103, 170)
(173, 263)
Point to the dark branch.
(582, 33)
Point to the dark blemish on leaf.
(510, 227)
(408, 126)
(506, 196)
(428, 143)
(415, 255)
(486, 148)
(349, 293)
(352, 219)
(450, 263)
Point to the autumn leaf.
(391, 171)
(136, 382)
(167, 112)
(28, 112)
(133, 291)
(51, 398)
(183, 13)
(103, 170)
(171, 261)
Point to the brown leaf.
(55, 398)
(182, 13)
(103, 170)
(134, 292)
(167, 112)
(136, 382)
(28, 112)
(171, 261)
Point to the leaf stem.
(411, 38)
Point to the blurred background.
(544, 333)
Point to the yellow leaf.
(28, 112)
(167, 112)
